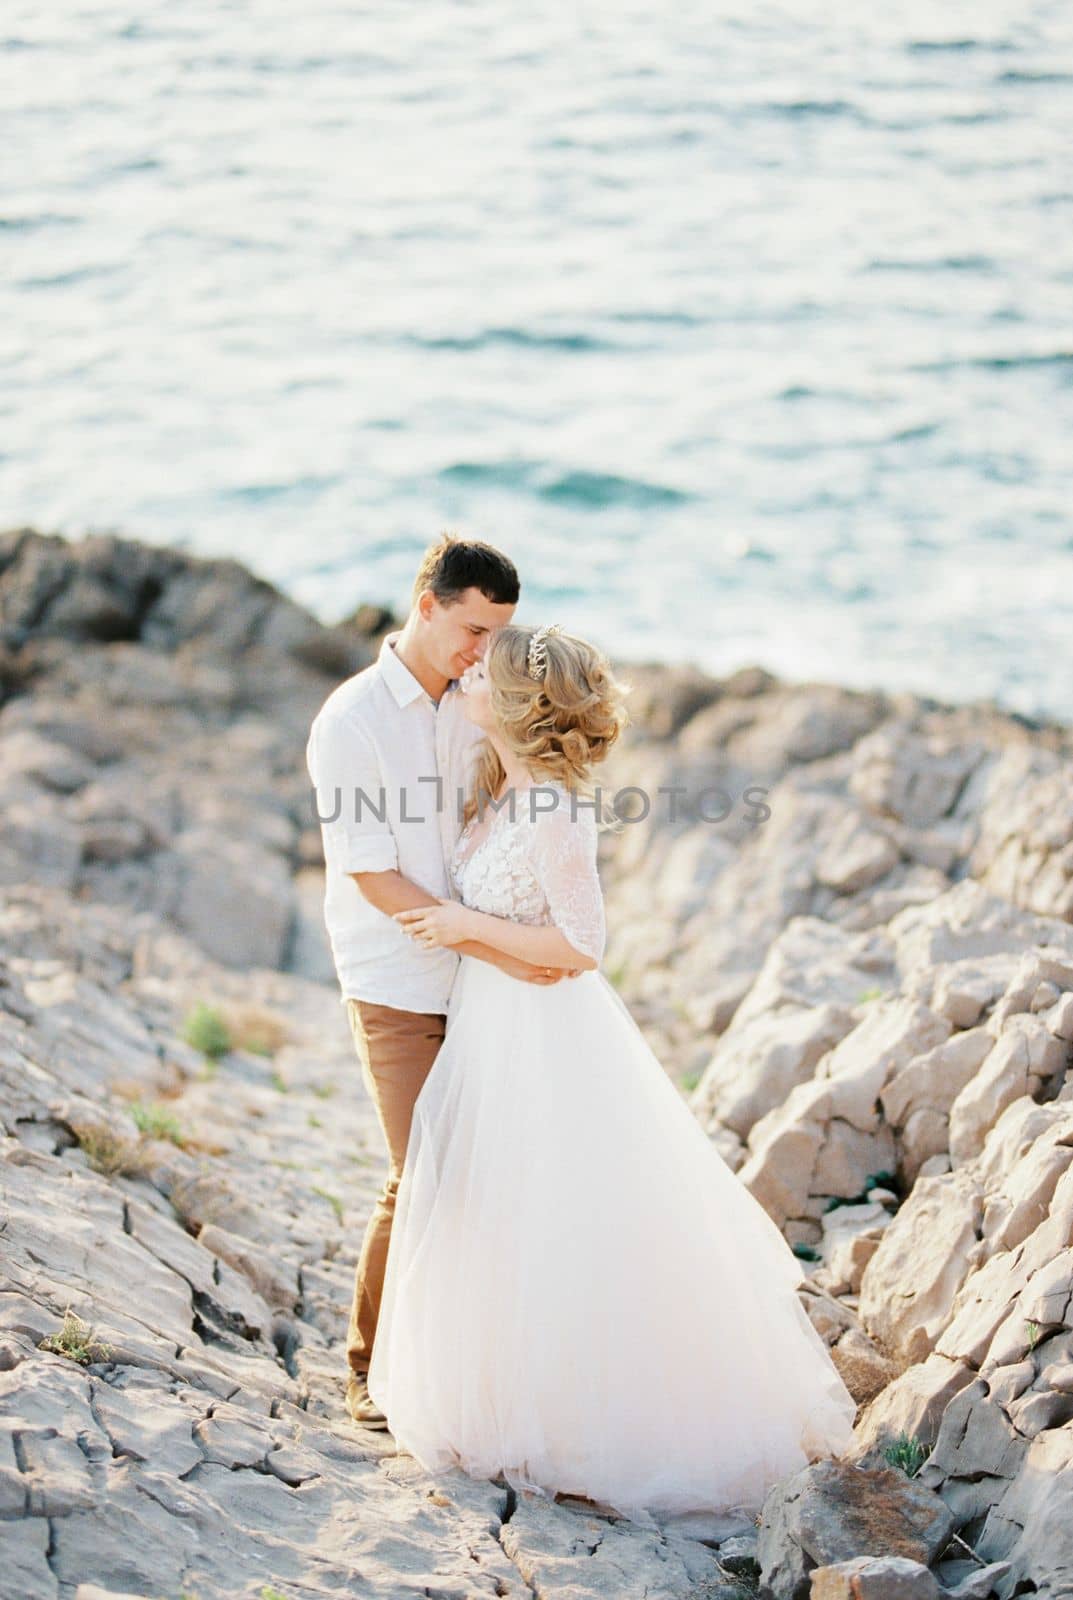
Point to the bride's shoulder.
(564, 799)
(570, 810)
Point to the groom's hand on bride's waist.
(530, 974)
(445, 924)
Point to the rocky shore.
(866, 994)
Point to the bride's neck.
(516, 773)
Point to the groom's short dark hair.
(452, 565)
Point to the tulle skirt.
(580, 1295)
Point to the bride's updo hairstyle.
(559, 706)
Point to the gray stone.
(145, 1421)
(545, 1543)
(975, 1438)
(93, 1591)
(265, 1275)
(26, 1571)
(978, 1582)
(856, 856)
(934, 1079)
(738, 1554)
(1029, 1526)
(909, 1286)
(758, 1061)
(863, 1368)
(1024, 1058)
(834, 1511)
(875, 1578)
(913, 1406)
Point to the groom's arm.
(342, 761)
(390, 892)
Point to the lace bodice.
(537, 866)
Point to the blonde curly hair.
(561, 723)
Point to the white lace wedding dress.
(580, 1294)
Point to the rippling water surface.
(747, 330)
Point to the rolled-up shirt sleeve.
(349, 795)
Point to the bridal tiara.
(538, 650)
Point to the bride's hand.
(443, 924)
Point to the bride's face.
(477, 690)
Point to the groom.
(387, 753)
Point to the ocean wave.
(277, 278)
(608, 488)
(290, 488)
(1025, 75)
(34, 222)
(935, 264)
(577, 487)
(1059, 359)
(71, 276)
(927, 47)
(521, 338)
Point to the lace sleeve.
(563, 855)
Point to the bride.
(580, 1295)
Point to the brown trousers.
(396, 1050)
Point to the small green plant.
(690, 1080)
(279, 1081)
(206, 1030)
(324, 1091)
(1034, 1331)
(268, 1593)
(332, 1199)
(869, 994)
(806, 1252)
(157, 1122)
(907, 1453)
(313, 1120)
(75, 1341)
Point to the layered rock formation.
(869, 994)
(182, 1229)
(873, 992)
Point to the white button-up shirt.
(387, 764)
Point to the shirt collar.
(397, 675)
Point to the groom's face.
(477, 705)
(457, 635)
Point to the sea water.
(747, 330)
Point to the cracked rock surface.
(873, 992)
(869, 998)
(204, 1450)
(203, 1218)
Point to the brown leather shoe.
(360, 1403)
